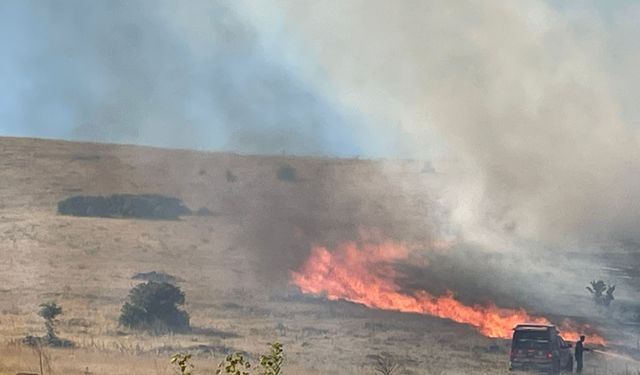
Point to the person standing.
(578, 354)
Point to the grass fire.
(364, 273)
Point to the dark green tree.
(49, 311)
(154, 306)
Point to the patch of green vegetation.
(153, 306)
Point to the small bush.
(271, 364)
(183, 362)
(49, 311)
(385, 364)
(601, 293)
(237, 364)
(234, 364)
(154, 307)
(287, 173)
(231, 177)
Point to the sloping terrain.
(234, 264)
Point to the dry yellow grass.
(102, 361)
(86, 264)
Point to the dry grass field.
(236, 289)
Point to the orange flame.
(365, 274)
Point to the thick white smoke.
(522, 97)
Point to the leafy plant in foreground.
(271, 364)
(234, 364)
(237, 364)
(182, 361)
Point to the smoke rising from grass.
(524, 109)
(518, 94)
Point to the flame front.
(364, 273)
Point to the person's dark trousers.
(578, 365)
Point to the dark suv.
(539, 347)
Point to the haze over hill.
(236, 264)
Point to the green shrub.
(237, 364)
(153, 306)
(234, 364)
(271, 364)
(49, 311)
(182, 361)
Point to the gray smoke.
(204, 75)
(194, 75)
(528, 109)
(518, 94)
(165, 73)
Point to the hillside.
(234, 265)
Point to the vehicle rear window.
(533, 339)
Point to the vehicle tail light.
(550, 355)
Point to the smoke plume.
(519, 95)
(526, 109)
